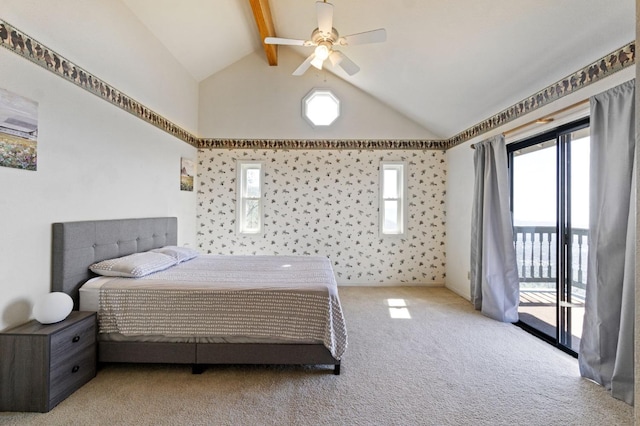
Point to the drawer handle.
(75, 339)
(75, 369)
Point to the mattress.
(233, 299)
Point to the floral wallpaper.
(325, 202)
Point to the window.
(249, 197)
(321, 107)
(393, 210)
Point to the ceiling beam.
(262, 14)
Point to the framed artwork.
(18, 131)
(187, 170)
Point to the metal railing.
(536, 254)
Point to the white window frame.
(241, 180)
(310, 98)
(401, 167)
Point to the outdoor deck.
(538, 309)
(541, 298)
(536, 248)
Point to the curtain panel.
(607, 344)
(494, 271)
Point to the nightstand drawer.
(72, 340)
(42, 364)
(70, 374)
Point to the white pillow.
(180, 254)
(134, 265)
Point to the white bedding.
(299, 292)
(90, 294)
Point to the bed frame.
(77, 245)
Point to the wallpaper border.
(20, 43)
(40, 54)
(378, 144)
(609, 64)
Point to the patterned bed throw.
(286, 297)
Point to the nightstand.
(41, 365)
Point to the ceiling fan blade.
(305, 65)
(325, 17)
(373, 36)
(339, 58)
(336, 57)
(285, 41)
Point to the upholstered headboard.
(77, 245)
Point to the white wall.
(95, 161)
(250, 99)
(461, 180)
(106, 39)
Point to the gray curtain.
(494, 272)
(606, 348)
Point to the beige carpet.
(446, 365)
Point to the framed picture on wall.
(18, 131)
(187, 169)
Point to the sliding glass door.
(576, 225)
(550, 207)
(535, 208)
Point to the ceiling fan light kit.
(325, 38)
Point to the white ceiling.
(446, 64)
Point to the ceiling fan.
(325, 38)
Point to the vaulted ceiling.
(447, 65)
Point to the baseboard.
(394, 284)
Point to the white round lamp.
(52, 307)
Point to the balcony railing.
(536, 256)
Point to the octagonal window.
(321, 107)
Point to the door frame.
(563, 221)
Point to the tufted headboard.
(77, 245)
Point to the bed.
(217, 331)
